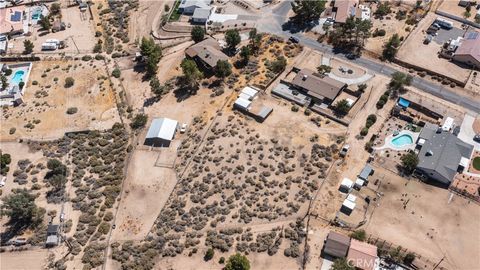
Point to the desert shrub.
(72, 110)
(116, 73)
(359, 235)
(209, 254)
(364, 131)
(69, 82)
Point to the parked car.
(2, 182)
(183, 128)
(344, 150)
(294, 39)
(3, 44)
(477, 138)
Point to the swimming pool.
(402, 140)
(17, 77)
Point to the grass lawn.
(175, 14)
(476, 163)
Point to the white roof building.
(448, 124)
(243, 104)
(161, 132)
(346, 185)
(247, 90)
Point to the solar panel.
(16, 17)
(472, 35)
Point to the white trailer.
(444, 23)
(49, 46)
(3, 44)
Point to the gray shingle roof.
(442, 152)
(317, 86)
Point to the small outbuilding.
(336, 245)
(242, 104)
(347, 207)
(346, 185)
(161, 132)
(366, 172)
(200, 15)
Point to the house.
(344, 9)
(206, 53)
(362, 255)
(189, 6)
(200, 15)
(469, 50)
(161, 132)
(442, 154)
(13, 21)
(336, 245)
(52, 235)
(322, 89)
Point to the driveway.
(466, 131)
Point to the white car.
(2, 182)
(183, 129)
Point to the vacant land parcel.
(54, 104)
(450, 230)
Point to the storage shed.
(242, 104)
(247, 90)
(346, 185)
(161, 132)
(366, 172)
(336, 245)
(347, 207)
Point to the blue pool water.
(17, 77)
(36, 14)
(402, 140)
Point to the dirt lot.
(79, 37)
(31, 259)
(44, 112)
(391, 26)
(413, 51)
(452, 7)
(146, 191)
(449, 230)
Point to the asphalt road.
(274, 20)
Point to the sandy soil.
(48, 102)
(146, 191)
(79, 37)
(142, 20)
(447, 230)
(452, 7)
(30, 259)
(415, 52)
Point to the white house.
(189, 6)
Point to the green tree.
(237, 262)
(223, 69)
(55, 9)
(28, 46)
(255, 40)
(152, 53)
(20, 207)
(198, 34)
(409, 258)
(245, 53)
(341, 107)
(409, 162)
(3, 81)
(383, 9)
(139, 121)
(45, 23)
(57, 174)
(278, 65)
(209, 254)
(391, 47)
(359, 235)
(362, 87)
(352, 34)
(341, 264)
(157, 88)
(232, 38)
(398, 82)
(307, 11)
(324, 69)
(191, 74)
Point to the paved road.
(273, 20)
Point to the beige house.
(469, 50)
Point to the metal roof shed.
(366, 172)
(336, 245)
(346, 185)
(347, 207)
(249, 91)
(161, 132)
(242, 104)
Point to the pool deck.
(389, 145)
